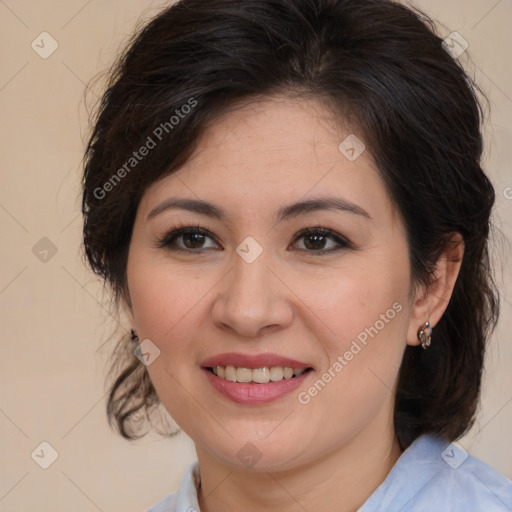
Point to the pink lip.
(252, 361)
(249, 393)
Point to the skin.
(331, 453)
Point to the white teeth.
(276, 373)
(288, 373)
(230, 373)
(259, 375)
(243, 375)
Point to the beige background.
(52, 321)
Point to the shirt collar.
(187, 496)
(417, 467)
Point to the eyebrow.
(284, 213)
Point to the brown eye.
(315, 242)
(320, 240)
(188, 239)
(193, 240)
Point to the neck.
(340, 481)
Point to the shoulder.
(185, 498)
(435, 475)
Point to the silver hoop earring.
(133, 336)
(425, 335)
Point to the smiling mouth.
(262, 375)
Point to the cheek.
(166, 306)
(363, 312)
(164, 299)
(360, 301)
(364, 352)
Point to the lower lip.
(248, 393)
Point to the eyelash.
(177, 231)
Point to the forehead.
(273, 129)
(276, 150)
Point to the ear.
(430, 302)
(127, 306)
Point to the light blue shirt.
(430, 476)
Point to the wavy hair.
(377, 63)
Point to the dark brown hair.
(375, 62)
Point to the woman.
(286, 199)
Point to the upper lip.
(252, 361)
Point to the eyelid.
(342, 241)
(180, 229)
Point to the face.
(290, 254)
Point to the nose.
(251, 300)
